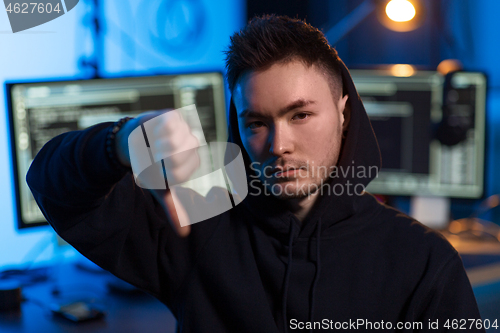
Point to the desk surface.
(140, 312)
(132, 312)
(481, 258)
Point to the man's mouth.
(283, 172)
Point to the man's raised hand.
(170, 139)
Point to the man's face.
(290, 125)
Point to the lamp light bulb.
(400, 10)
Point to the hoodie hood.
(358, 163)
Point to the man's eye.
(301, 116)
(255, 124)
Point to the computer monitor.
(39, 111)
(430, 129)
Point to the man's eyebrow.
(300, 103)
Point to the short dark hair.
(272, 39)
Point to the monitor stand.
(434, 212)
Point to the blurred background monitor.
(42, 110)
(430, 128)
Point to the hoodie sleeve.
(98, 209)
(450, 304)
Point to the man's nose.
(281, 140)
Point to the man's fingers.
(171, 140)
(174, 140)
(180, 171)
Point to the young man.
(306, 249)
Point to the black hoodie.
(352, 264)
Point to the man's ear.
(346, 111)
